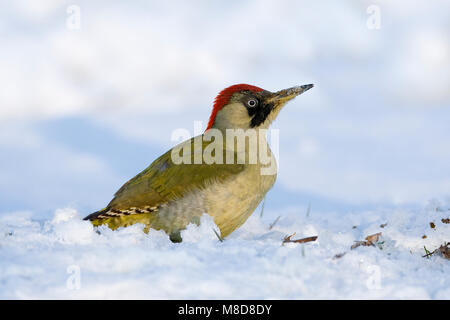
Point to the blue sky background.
(82, 111)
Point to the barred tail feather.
(96, 215)
(112, 212)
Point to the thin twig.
(218, 235)
(308, 210)
(444, 250)
(262, 207)
(304, 240)
(274, 223)
(428, 253)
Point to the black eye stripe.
(259, 114)
(256, 108)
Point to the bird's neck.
(247, 144)
(233, 116)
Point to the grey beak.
(285, 95)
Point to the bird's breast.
(232, 202)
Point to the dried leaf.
(432, 225)
(370, 240)
(373, 237)
(446, 221)
(445, 250)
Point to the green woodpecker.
(213, 173)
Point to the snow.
(66, 257)
(104, 100)
(85, 110)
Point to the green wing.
(164, 181)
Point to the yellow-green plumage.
(144, 198)
(168, 196)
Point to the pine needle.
(308, 210)
(427, 253)
(262, 207)
(274, 223)
(218, 235)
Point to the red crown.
(224, 96)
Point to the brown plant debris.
(424, 236)
(370, 241)
(432, 225)
(373, 237)
(383, 225)
(218, 235)
(446, 221)
(443, 250)
(339, 255)
(427, 253)
(288, 239)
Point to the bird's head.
(243, 106)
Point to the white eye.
(252, 103)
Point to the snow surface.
(85, 110)
(65, 257)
